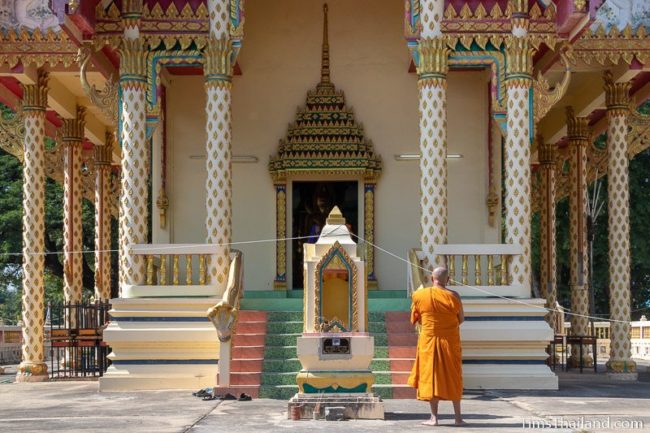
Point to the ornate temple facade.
(170, 117)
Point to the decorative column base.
(32, 372)
(622, 370)
(587, 361)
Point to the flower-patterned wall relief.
(30, 14)
(620, 13)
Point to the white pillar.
(73, 134)
(432, 70)
(134, 209)
(218, 76)
(620, 364)
(33, 367)
(517, 147)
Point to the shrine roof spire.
(325, 57)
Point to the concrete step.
(248, 340)
(402, 339)
(252, 316)
(247, 352)
(402, 352)
(401, 364)
(399, 326)
(246, 378)
(251, 327)
(250, 365)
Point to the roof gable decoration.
(31, 15)
(325, 137)
(621, 14)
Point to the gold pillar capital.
(35, 95)
(617, 95)
(218, 61)
(433, 58)
(547, 152)
(519, 59)
(133, 59)
(73, 129)
(577, 127)
(520, 18)
(131, 13)
(519, 7)
(104, 154)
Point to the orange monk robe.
(437, 371)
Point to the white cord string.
(152, 249)
(512, 300)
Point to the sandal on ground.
(229, 397)
(245, 397)
(202, 392)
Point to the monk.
(437, 371)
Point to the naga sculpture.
(224, 315)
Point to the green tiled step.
(384, 391)
(393, 294)
(285, 365)
(387, 304)
(377, 327)
(380, 364)
(383, 377)
(281, 339)
(381, 340)
(285, 316)
(284, 327)
(279, 352)
(288, 378)
(381, 352)
(283, 392)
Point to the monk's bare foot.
(432, 421)
(459, 423)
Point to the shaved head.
(440, 274)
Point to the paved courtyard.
(584, 403)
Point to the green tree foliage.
(11, 212)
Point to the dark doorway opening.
(312, 202)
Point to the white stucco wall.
(280, 61)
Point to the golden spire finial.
(325, 59)
(335, 218)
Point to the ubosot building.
(469, 116)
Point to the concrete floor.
(79, 407)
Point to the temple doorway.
(312, 201)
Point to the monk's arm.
(415, 314)
(461, 312)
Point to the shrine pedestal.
(357, 405)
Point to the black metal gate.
(77, 349)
